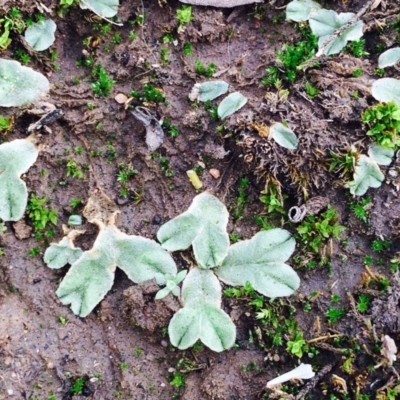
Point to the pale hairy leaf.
(284, 136)
(92, 275)
(19, 85)
(324, 22)
(201, 317)
(103, 8)
(300, 10)
(381, 155)
(60, 254)
(220, 3)
(386, 90)
(261, 261)
(366, 174)
(203, 226)
(232, 103)
(389, 58)
(143, 259)
(211, 90)
(16, 158)
(40, 35)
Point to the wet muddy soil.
(121, 350)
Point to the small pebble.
(214, 173)
(164, 343)
(120, 98)
(36, 280)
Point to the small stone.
(120, 98)
(22, 230)
(215, 173)
(164, 343)
(276, 358)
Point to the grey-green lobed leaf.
(201, 317)
(354, 32)
(92, 275)
(386, 90)
(203, 226)
(103, 8)
(16, 158)
(211, 90)
(300, 10)
(284, 136)
(381, 155)
(40, 35)
(389, 58)
(366, 174)
(58, 255)
(324, 22)
(14, 90)
(232, 103)
(261, 261)
(220, 3)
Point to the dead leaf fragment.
(215, 173)
(389, 349)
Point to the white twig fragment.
(303, 371)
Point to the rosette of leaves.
(325, 24)
(16, 158)
(91, 275)
(259, 261)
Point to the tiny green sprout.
(187, 49)
(132, 35)
(22, 56)
(311, 90)
(379, 72)
(73, 170)
(138, 352)
(150, 93)
(62, 320)
(105, 29)
(335, 314)
(78, 149)
(178, 380)
(116, 39)
(111, 152)
(172, 283)
(34, 251)
(77, 387)
(164, 56)
(6, 123)
(39, 214)
(184, 15)
(380, 245)
(363, 303)
(124, 366)
(297, 345)
(361, 208)
(74, 203)
(357, 48)
(102, 82)
(383, 121)
(167, 38)
(357, 72)
(335, 298)
(171, 129)
(207, 71)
